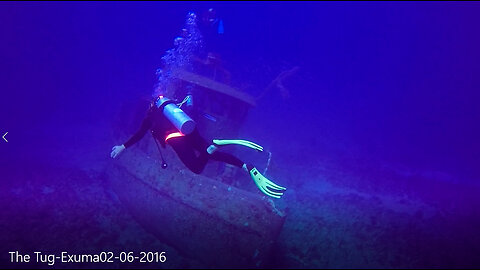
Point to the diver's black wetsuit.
(191, 148)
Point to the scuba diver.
(170, 125)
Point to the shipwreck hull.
(207, 220)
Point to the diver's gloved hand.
(266, 186)
(116, 150)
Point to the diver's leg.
(200, 144)
(266, 186)
(187, 154)
(227, 158)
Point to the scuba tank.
(175, 115)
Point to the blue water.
(374, 132)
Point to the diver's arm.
(146, 125)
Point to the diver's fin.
(239, 142)
(266, 186)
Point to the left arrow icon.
(4, 136)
